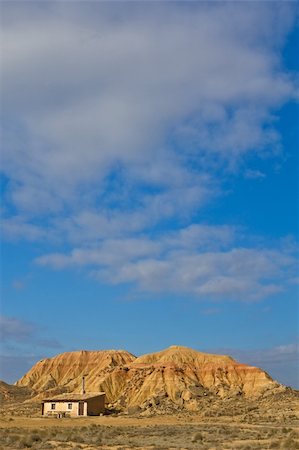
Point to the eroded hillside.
(177, 375)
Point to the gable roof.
(73, 397)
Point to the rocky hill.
(178, 376)
(10, 393)
(64, 372)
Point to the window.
(53, 405)
(70, 406)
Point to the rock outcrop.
(12, 393)
(178, 375)
(64, 372)
(184, 376)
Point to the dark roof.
(73, 397)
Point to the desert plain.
(174, 399)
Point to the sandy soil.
(269, 423)
(185, 431)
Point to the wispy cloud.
(198, 260)
(13, 329)
(95, 93)
(13, 367)
(275, 355)
(17, 228)
(281, 361)
(254, 174)
(121, 125)
(18, 285)
(21, 332)
(211, 311)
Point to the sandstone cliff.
(178, 375)
(64, 372)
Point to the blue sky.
(150, 180)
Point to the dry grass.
(219, 425)
(176, 436)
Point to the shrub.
(46, 446)
(12, 437)
(289, 444)
(197, 437)
(274, 444)
(97, 440)
(25, 443)
(77, 438)
(35, 438)
(62, 437)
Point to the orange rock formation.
(180, 374)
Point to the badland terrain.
(177, 398)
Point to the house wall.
(92, 407)
(63, 407)
(96, 405)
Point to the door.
(81, 409)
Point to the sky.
(149, 180)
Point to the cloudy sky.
(149, 180)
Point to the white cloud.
(199, 260)
(15, 228)
(203, 237)
(254, 174)
(239, 273)
(85, 90)
(112, 253)
(121, 122)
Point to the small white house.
(73, 405)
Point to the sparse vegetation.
(226, 435)
(235, 423)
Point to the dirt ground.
(185, 431)
(271, 423)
